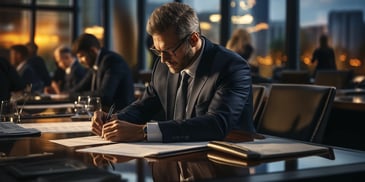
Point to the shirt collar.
(191, 70)
(68, 69)
(20, 65)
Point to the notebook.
(268, 148)
(10, 129)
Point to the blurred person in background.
(10, 80)
(324, 55)
(38, 64)
(73, 71)
(19, 59)
(240, 42)
(109, 75)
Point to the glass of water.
(9, 112)
(81, 105)
(94, 104)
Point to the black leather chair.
(295, 76)
(340, 79)
(297, 111)
(259, 94)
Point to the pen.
(110, 112)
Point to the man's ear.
(194, 39)
(94, 50)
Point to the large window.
(47, 23)
(48, 36)
(343, 22)
(14, 28)
(116, 23)
(209, 16)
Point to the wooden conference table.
(344, 164)
(345, 124)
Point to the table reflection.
(345, 122)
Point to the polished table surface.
(197, 166)
(346, 121)
(346, 164)
(350, 99)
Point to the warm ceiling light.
(245, 19)
(98, 31)
(215, 18)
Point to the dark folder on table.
(269, 148)
(10, 129)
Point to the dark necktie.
(181, 97)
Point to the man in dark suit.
(9, 79)
(74, 71)
(38, 63)
(19, 59)
(219, 95)
(109, 76)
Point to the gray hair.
(178, 15)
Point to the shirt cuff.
(153, 132)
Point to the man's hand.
(101, 160)
(98, 121)
(122, 131)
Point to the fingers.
(116, 159)
(97, 122)
(122, 131)
(97, 159)
(110, 131)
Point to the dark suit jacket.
(221, 98)
(77, 74)
(9, 79)
(40, 68)
(114, 82)
(30, 76)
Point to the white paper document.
(48, 106)
(60, 127)
(145, 149)
(81, 141)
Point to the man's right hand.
(98, 121)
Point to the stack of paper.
(60, 127)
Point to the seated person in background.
(240, 42)
(9, 79)
(58, 80)
(74, 71)
(38, 64)
(109, 76)
(218, 92)
(19, 59)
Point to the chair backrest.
(295, 76)
(259, 93)
(337, 78)
(297, 111)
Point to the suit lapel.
(197, 86)
(201, 76)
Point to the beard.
(185, 62)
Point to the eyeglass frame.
(160, 52)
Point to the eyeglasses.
(168, 51)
